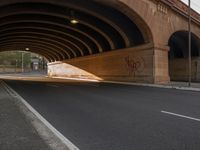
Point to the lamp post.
(22, 62)
(189, 45)
(16, 66)
(27, 49)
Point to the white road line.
(66, 141)
(182, 116)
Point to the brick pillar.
(161, 66)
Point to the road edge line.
(52, 129)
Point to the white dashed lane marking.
(178, 115)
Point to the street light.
(189, 45)
(22, 56)
(73, 19)
(27, 49)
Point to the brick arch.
(178, 55)
(116, 27)
(178, 43)
(130, 9)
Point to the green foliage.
(15, 58)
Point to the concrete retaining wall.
(133, 64)
(13, 70)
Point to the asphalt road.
(97, 116)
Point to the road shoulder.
(16, 132)
(47, 136)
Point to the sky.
(195, 4)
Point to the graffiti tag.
(134, 65)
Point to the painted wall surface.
(133, 64)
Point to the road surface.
(99, 116)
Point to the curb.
(135, 84)
(75, 79)
(156, 86)
(49, 134)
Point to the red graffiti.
(134, 65)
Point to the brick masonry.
(157, 21)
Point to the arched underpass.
(178, 56)
(108, 44)
(121, 40)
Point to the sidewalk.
(172, 85)
(26, 74)
(16, 132)
(184, 84)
